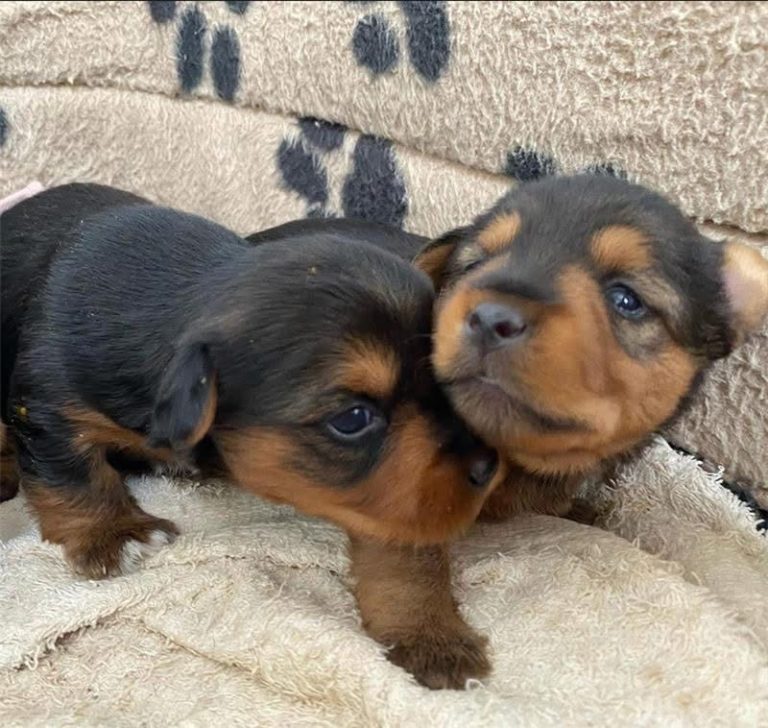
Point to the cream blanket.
(247, 619)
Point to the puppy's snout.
(483, 468)
(494, 324)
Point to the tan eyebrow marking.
(369, 368)
(621, 248)
(499, 233)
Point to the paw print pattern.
(606, 168)
(373, 190)
(526, 165)
(375, 44)
(4, 127)
(191, 47)
(162, 11)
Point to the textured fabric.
(420, 115)
(427, 126)
(248, 619)
(523, 86)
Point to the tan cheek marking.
(369, 368)
(415, 495)
(576, 335)
(621, 248)
(621, 398)
(499, 233)
(452, 309)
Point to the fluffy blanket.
(418, 114)
(661, 619)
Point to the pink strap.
(29, 191)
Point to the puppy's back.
(31, 234)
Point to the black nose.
(494, 324)
(482, 469)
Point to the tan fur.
(206, 418)
(618, 399)
(9, 469)
(93, 429)
(499, 233)
(93, 521)
(620, 248)
(431, 640)
(369, 369)
(416, 494)
(746, 282)
(433, 261)
(523, 492)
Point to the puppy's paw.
(120, 550)
(440, 661)
(9, 485)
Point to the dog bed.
(420, 115)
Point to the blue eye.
(625, 302)
(352, 422)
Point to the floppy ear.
(434, 257)
(185, 405)
(745, 279)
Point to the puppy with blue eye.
(573, 319)
(299, 369)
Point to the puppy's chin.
(529, 435)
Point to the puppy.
(575, 318)
(299, 368)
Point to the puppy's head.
(312, 375)
(577, 313)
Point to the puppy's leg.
(81, 503)
(9, 470)
(406, 602)
(523, 492)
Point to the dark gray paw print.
(190, 47)
(376, 46)
(526, 165)
(4, 127)
(373, 190)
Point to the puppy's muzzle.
(495, 325)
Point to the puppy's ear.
(745, 279)
(434, 257)
(185, 405)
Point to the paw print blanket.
(419, 114)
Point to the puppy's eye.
(625, 301)
(354, 422)
(472, 265)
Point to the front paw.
(445, 660)
(118, 550)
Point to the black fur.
(117, 306)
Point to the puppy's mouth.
(483, 400)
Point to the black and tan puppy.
(574, 319)
(299, 368)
